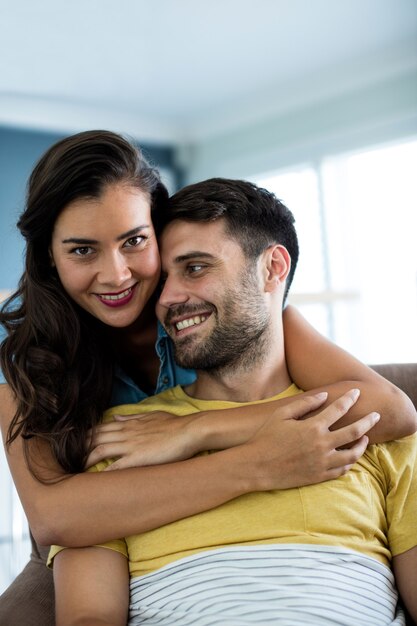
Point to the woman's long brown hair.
(56, 357)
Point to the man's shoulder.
(403, 446)
(171, 400)
(395, 456)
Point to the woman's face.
(106, 254)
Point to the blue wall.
(19, 151)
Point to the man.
(316, 555)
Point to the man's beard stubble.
(237, 341)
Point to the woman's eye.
(82, 251)
(132, 242)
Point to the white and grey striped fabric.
(286, 584)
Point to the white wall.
(377, 112)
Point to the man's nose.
(172, 293)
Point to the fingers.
(352, 432)
(101, 429)
(115, 424)
(112, 436)
(344, 459)
(112, 432)
(302, 406)
(340, 462)
(339, 407)
(120, 464)
(102, 446)
(105, 451)
(125, 418)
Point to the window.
(14, 536)
(356, 216)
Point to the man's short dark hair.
(253, 216)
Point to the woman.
(81, 337)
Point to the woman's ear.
(277, 266)
(51, 257)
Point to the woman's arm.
(405, 570)
(154, 438)
(284, 453)
(91, 587)
(314, 362)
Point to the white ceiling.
(181, 70)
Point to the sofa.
(404, 375)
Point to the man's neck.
(246, 380)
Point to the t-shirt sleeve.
(399, 462)
(118, 545)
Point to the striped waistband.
(289, 584)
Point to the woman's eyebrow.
(84, 241)
(79, 240)
(134, 231)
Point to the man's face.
(212, 303)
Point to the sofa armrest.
(403, 375)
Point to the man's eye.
(197, 267)
(132, 242)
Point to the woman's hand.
(292, 452)
(155, 438)
(159, 437)
(145, 439)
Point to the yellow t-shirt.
(372, 509)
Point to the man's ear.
(277, 266)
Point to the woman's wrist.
(202, 432)
(221, 429)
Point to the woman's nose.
(114, 270)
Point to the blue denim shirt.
(126, 391)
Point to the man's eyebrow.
(194, 254)
(129, 233)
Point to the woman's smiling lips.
(116, 299)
